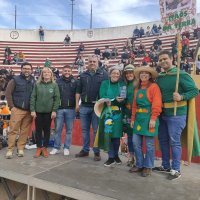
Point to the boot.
(45, 152)
(38, 153)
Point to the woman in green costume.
(110, 125)
(147, 106)
(129, 79)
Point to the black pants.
(42, 124)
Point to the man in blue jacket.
(88, 92)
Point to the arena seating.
(37, 52)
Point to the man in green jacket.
(171, 127)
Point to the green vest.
(143, 115)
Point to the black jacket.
(67, 88)
(89, 86)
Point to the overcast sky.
(56, 14)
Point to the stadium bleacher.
(37, 52)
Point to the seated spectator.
(127, 45)
(174, 47)
(198, 65)
(136, 32)
(80, 63)
(154, 58)
(131, 58)
(124, 56)
(160, 29)
(185, 65)
(67, 40)
(37, 72)
(48, 63)
(141, 32)
(7, 60)
(187, 34)
(141, 49)
(146, 60)
(80, 49)
(16, 58)
(21, 57)
(120, 65)
(3, 84)
(41, 33)
(106, 53)
(7, 51)
(157, 44)
(197, 33)
(114, 52)
(55, 72)
(105, 65)
(185, 46)
(148, 32)
(97, 52)
(154, 30)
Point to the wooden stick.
(178, 68)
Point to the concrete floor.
(82, 178)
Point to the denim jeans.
(88, 118)
(146, 161)
(170, 130)
(130, 145)
(115, 143)
(64, 116)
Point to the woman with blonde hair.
(45, 100)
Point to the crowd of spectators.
(139, 33)
(13, 58)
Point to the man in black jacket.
(88, 92)
(66, 113)
(18, 93)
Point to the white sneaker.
(54, 151)
(66, 152)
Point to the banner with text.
(178, 15)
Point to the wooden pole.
(179, 48)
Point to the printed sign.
(178, 15)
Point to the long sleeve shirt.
(154, 97)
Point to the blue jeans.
(41, 37)
(148, 160)
(64, 116)
(130, 145)
(115, 143)
(170, 130)
(88, 118)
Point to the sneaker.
(97, 157)
(54, 151)
(82, 153)
(66, 152)
(174, 175)
(20, 153)
(110, 162)
(9, 154)
(161, 169)
(117, 160)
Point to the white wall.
(77, 35)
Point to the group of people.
(16, 58)
(139, 33)
(136, 101)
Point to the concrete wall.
(77, 35)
